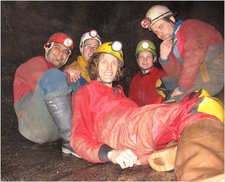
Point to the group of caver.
(170, 119)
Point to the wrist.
(103, 153)
(163, 60)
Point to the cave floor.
(22, 160)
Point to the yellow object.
(211, 105)
(107, 48)
(159, 88)
(80, 65)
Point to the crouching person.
(108, 126)
(42, 96)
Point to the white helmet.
(154, 14)
(93, 34)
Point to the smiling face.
(89, 48)
(57, 54)
(163, 29)
(107, 68)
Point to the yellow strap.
(204, 72)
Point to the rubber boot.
(200, 152)
(60, 108)
(163, 160)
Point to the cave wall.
(26, 26)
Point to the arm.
(196, 36)
(73, 74)
(31, 71)
(84, 139)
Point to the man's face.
(145, 60)
(89, 47)
(107, 67)
(162, 29)
(58, 54)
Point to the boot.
(163, 160)
(200, 152)
(60, 108)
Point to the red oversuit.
(142, 88)
(105, 116)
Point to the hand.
(73, 74)
(125, 158)
(176, 92)
(165, 48)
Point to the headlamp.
(93, 33)
(145, 45)
(116, 46)
(145, 23)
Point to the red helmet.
(61, 38)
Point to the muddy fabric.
(60, 109)
(104, 115)
(195, 43)
(34, 120)
(200, 151)
(28, 75)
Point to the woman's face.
(107, 68)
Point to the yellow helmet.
(113, 48)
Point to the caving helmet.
(154, 14)
(60, 38)
(145, 45)
(93, 34)
(113, 48)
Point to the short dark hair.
(93, 68)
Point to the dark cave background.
(27, 25)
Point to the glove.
(125, 158)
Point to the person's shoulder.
(33, 60)
(194, 22)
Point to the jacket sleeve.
(31, 71)
(84, 139)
